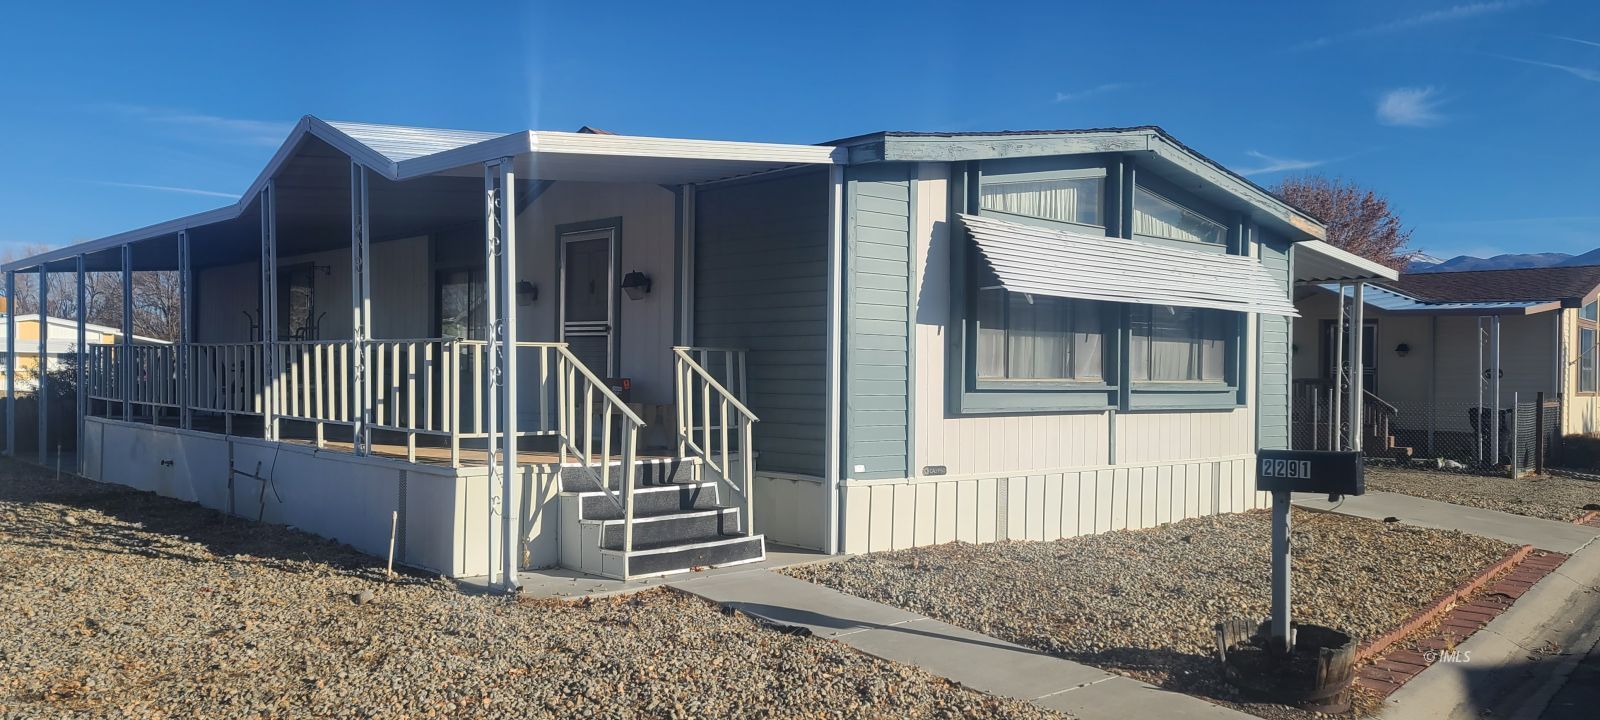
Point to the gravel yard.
(1143, 603)
(1541, 496)
(124, 604)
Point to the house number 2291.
(1286, 468)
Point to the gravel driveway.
(1541, 496)
(124, 604)
(1143, 602)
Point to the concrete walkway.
(976, 661)
(1519, 529)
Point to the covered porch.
(555, 314)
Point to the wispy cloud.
(168, 188)
(1454, 13)
(1270, 164)
(1582, 73)
(1410, 107)
(1090, 92)
(1579, 41)
(242, 130)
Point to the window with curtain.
(1179, 344)
(1156, 216)
(1033, 337)
(1586, 360)
(1073, 200)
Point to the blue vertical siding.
(760, 283)
(1273, 353)
(877, 341)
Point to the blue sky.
(1478, 119)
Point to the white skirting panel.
(895, 514)
(443, 513)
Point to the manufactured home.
(1442, 350)
(631, 356)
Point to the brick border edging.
(1428, 614)
(1587, 518)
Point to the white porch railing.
(708, 411)
(423, 387)
(153, 380)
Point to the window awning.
(1059, 263)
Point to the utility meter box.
(1310, 471)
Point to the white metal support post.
(125, 362)
(491, 379)
(1482, 378)
(269, 311)
(507, 332)
(11, 363)
(185, 332)
(1358, 335)
(81, 397)
(360, 306)
(1494, 389)
(42, 393)
(1336, 419)
(833, 367)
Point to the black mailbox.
(1310, 471)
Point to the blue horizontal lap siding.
(761, 268)
(877, 325)
(1273, 354)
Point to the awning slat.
(1058, 263)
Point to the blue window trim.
(967, 395)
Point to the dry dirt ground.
(123, 604)
(1541, 496)
(1144, 602)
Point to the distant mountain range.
(1505, 262)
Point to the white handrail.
(693, 381)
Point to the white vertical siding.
(648, 236)
(402, 293)
(888, 515)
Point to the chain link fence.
(1455, 436)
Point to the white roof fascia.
(536, 142)
(1351, 267)
(510, 145)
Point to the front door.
(1369, 353)
(588, 294)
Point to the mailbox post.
(1282, 473)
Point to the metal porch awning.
(1318, 262)
(1059, 263)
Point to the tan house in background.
(63, 342)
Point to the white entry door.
(588, 297)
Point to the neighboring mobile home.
(679, 349)
(1433, 342)
(60, 344)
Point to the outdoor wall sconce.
(636, 284)
(1402, 349)
(527, 293)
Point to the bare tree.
(1358, 219)
(156, 305)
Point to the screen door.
(587, 297)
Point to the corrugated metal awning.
(1058, 263)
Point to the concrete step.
(596, 505)
(679, 528)
(649, 472)
(715, 550)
